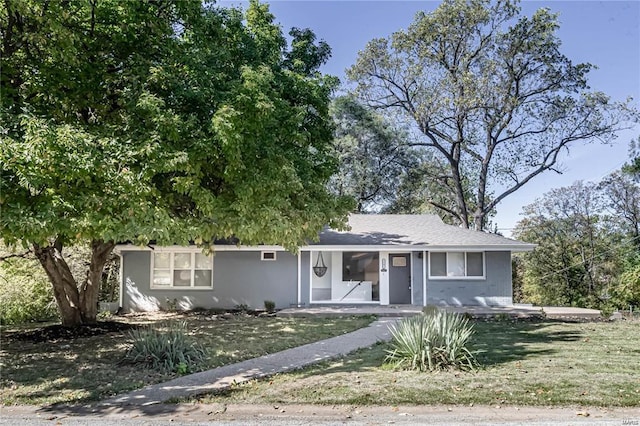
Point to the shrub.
(432, 342)
(627, 291)
(243, 308)
(172, 305)
(25, 292)
(269, 306)
(169, 349)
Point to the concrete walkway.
(280, 362)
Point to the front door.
(399, 279)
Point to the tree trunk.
(77, 306)
(65, 288)
(90, 289)
(478, 221)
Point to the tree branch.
(14, 255)
(446, 209)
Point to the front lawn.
(525, 363)
(44, 368)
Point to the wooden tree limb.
(14, 255)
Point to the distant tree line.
(588, 237)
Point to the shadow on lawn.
(494, 343)
(505, 341)
(51, 365)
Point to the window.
(268, 255)
(181, 270)
(359, 266)
(456, 264)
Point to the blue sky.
(604, 33)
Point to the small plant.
(432, 342)
(606, 311)
(269, 306)
(242, 308)
(172, 305)
(169, 349)
(104, 315)
(182, 369)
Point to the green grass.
(525, 363)
(86, 369)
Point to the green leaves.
(169, 121)
(374, 155)
(149, 132)
(432, 342)
(583, 236)
(169, 349)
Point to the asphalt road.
(200, 414)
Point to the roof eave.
(515, 248)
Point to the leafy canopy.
(168, 120)
(172, 120)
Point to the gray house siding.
(495, 290)
(239, 278)
(136, 274)
(242, 278)
(416, 273)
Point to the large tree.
(492, 95)
(157, 120)
(373, 155)
(622, 197)
(577, 260)
(378, 166)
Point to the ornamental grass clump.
(438, 341)
(168, 348)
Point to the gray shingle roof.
(414, 230)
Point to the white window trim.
(275, 256)
(459, 278)
(171, 270)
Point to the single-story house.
(380, 260)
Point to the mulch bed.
(57, 332)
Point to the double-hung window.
(181, 270)
(456, 264)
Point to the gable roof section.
(414, 230)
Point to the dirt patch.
(55, 333)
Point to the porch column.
(299, 258)
(424, 278)
(384, 278)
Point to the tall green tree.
(168, 120)
(632, 168)
(492, 95)
(577, 260)
(373, 155)
(621, 194)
